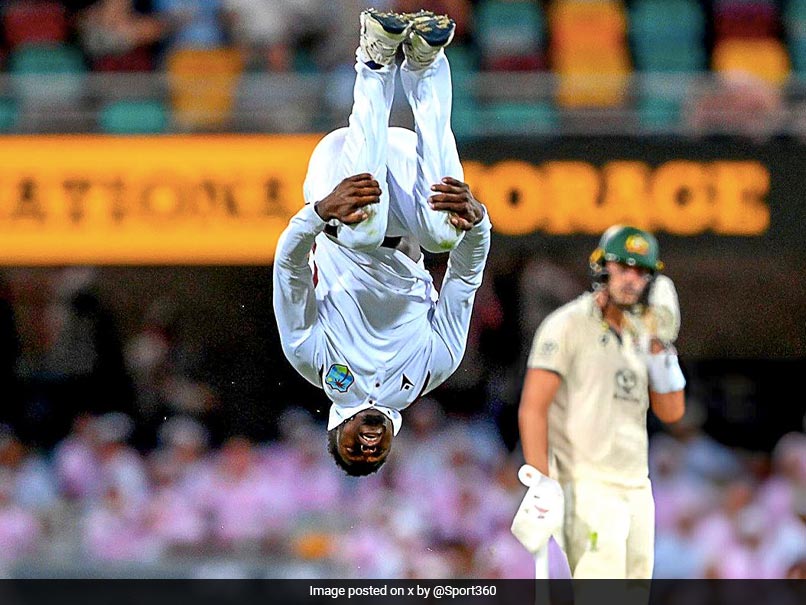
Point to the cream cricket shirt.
(597, 421)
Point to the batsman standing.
(363, 319)
(596, 365)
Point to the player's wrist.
(320, 208)
(665, 375)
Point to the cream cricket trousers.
(609, 531)
(405, 163)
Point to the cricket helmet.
(628, 245)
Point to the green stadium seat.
(668, 35)
(515, 118)
(465, 120)
(509, 28)
(661, 58)
(134, 117)
(9, 114)
(303, 62)
(52, 74)
(795, 11)
(660, 103)
(797, 51)
(658, 112)
(464, 65)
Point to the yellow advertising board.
(147, 200)
(226, 199)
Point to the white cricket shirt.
(373, 331)
(597, 421)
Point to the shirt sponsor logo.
(339, 378)
(406, 383)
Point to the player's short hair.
(354, 469)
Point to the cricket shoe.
(430, 33)
(381, 35)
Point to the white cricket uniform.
(363, 321)
(598, 443)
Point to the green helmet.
(628, 245)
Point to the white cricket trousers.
(609, 531)
(406, 164)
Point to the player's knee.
(443, 238)
(363, 238)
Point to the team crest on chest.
(626, 383)
(339, 378)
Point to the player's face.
(625, 284)
(366, 437)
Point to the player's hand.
(541, 512)
(347, 202)
(455, 197)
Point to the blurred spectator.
(20, 530)
(77, 468)
(12, 411)
(269, 30)
(26, 475)
(194, 23)
(119, 35)
(81, 368)
(461, 11)
(738, 103)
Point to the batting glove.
(541, 512)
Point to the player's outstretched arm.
(294, 294)
(465, 270)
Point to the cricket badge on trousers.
(339, 378)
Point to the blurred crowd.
(151, 426)
(441, 508)
(231, 46)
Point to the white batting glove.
(541, 512)
(662, 316)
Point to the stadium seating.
(745, 19)
(589, 52)
(34, 23)
(203, 83)
(8, 115)
(465, 113)
(794, 19)
(48, 74)
(136, 60)
(521, 118)
(764, 58)
(668, 35)
(510, 35)
(134, 117)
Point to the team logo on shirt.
(339, 377)
(549, 348)
(626, 381)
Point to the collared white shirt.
(373, 331)
(597, 421)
